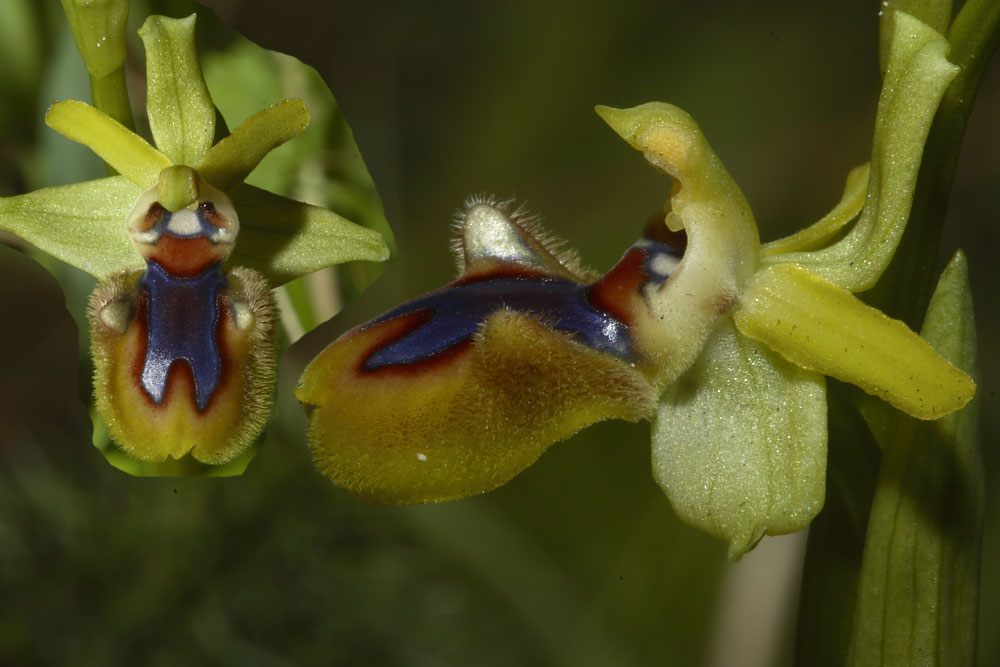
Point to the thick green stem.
(110, 95)
(837, 536)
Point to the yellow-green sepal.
(917, 77)
(284, 239)
(81, 224)
(180, 110)
(825, 328)
(739, 442)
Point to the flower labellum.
(721, 342)
(456, 392)
(184, 352)
(182, 322)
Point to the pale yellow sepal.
(824, 229)
(180, 110)
(231, 160)
(739, 442)
(918, 75)
(820, 326)
(124, 150)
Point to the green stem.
(110, 94)
(837, 536)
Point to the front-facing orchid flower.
(721, 341)
(184, 348)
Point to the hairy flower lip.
(174, 206)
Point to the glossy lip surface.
(183, 319)
(455, 313)
(459, 311)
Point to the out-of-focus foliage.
(579, 560)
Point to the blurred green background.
(580, 560)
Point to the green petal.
(917, 77)
(739, 442)
(722, 243)
(82, 224)
(918, 590)
(180, 110)
(285, 239)
(124, 150)
(820, 326)
(232, 159)
(821, 231)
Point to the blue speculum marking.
(457, 312)
(183, 317)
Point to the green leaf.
(820, 326)
(739, 442)
(180, 109)
(121, 148)
(82, 224)
(918, 593)
(285, 239)
(917, 77)
(232, 159)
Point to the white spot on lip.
(184, 223)
(421, 457)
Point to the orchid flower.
(721, 341)
(184, 349)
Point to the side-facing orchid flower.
(721, 342)
(183, 346)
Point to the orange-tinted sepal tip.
(464, 421)
(236, 409)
